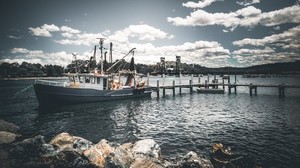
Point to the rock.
(190, 160)
(121, 156)
(97, 153)
(8, 127)
(28, 150)
(66, 141)
(147, 147)
(4, 158)
(7, 137)
(145, 163)
(223, 156)
(63, 159)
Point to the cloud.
(245, 17)
(245, 57)
(14, 37)
(44, 30)
(248, 2)
(69, 30)
(37, 56)
(282, 47)
(142, 31)
(200, 4)
(288, 37)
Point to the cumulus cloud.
(282, 47)
(248, 2)
(37, 56)
(246, 17)
(44, 30)
(288, 37)
(143, 32)
(200, 4)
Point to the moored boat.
(92, 87)
(211, 91)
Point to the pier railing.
(50, 83)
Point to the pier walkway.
(231, 88)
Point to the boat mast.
(101, 50)
(76, 66)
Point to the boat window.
(98, 80)
(87, 80)
(81, 79)
(92, 80)
(104, 83)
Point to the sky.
(212, 33)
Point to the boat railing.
(50, 83)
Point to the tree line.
(25, 69)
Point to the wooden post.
(173, 88)
(235, 89)
(250, 87)
(179, 77)
(205, 84)
(164, 92)
(208, 78)
(228, 78)
(229, 89)
(180, 90)
(148, 79)
(281, 90)
(235, 79)
(255, 90)
(191, 87)
(223, 83)
(157, 89)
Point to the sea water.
(264, 129)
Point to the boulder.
(145, 163)
(98, 153)
(148, 148)
(121, 156)
(67, 141)
(8, 127)
(28, 150)
(190, 160)
(4, 158)
(7, 137)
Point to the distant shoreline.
(32, 78)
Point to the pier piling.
(191, 87)
(173, 88)
(157, 89)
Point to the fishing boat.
(95, 86)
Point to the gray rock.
(120, 157)
(8, 127)
(147, 147)
(190, 160)
(7, 137)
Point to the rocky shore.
(65, 150)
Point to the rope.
(22, 90)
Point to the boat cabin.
(89, 81)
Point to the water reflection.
(114, 121)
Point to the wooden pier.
(215, 85)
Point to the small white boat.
(210, 91)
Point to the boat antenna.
(101, 50)
(131, 51)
